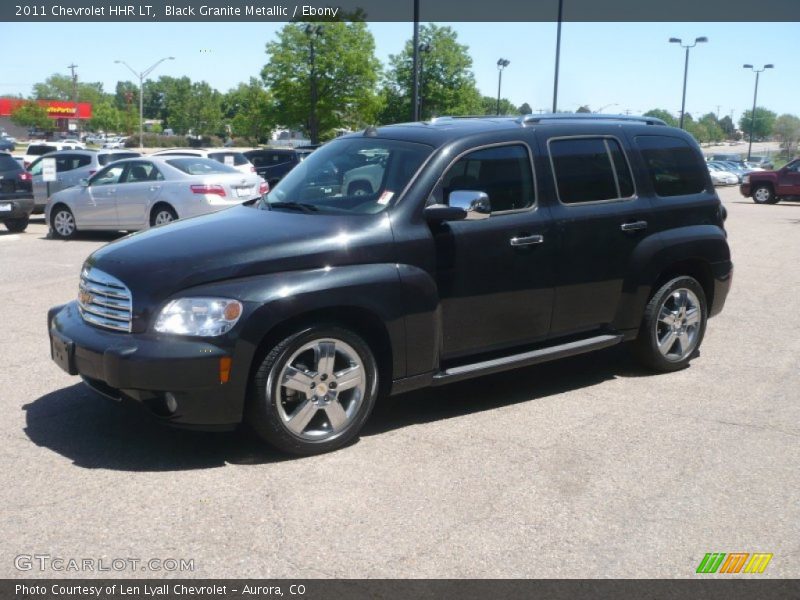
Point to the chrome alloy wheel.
(320, 389)
(64, 223)
(762, 195)
(678, 324)
(163, 217)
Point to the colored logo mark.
(734, 562)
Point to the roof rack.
(531, 119)
(466, 117)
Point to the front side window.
(503, 173)
(590, 169)
(142, 171)
(349, 175)
(675, 168)
(108, 176)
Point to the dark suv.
(273, 163)
(403, 257)
(16, 195)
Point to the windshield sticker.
(385, 197)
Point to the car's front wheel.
(673, 325)
(63, 222)
(313, 391)
(763, 194)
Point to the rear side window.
(68, 162)
(7, 163)
(675, 168)
(590, 169)
(238, 157)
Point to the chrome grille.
(104, 300)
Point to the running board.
(525, 359)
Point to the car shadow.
(88, 236)
(781, 203)
(96, 433)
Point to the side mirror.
(475, 204)
(442, 212)
(84, 182)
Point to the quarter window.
(675, 168)
(590, 170)
(503, 173)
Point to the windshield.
(351, 175)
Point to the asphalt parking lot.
(589, 467)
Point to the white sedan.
(720, 176)
(137, 193)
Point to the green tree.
(489, 106)
(345, 74)
(59, 87)
(660, 113)
(525, 109)
(106, 117)
(31, 114)
(447, 84)
(584, 109)
(728, 127)
(204, 109)
(250, 111)
(713, 129)
(787, 130)
(762, 127)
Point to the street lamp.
(422, 49)
(686, 68)
(141, 77)
(313, 32)
(501, 64)
(558, 54)
(755, 97)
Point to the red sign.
(56, 109)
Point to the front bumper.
(21, 205)
(744, 189)
(143, 368)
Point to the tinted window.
(503, 173)
(674, 166)
(104, 159)
(40, 149)
(590, 170)
(200, 166)
(68, 162)
(7, 163)
(238, 157)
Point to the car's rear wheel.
(17, 225)
(63, 222)
(162, 214)
(673, 326)
(763, 194)
(313, 391)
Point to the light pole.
(755, 97)
(501, 64)
(313, 32)
(700, 40)
(415, 67)
(141, 77)
(558, 54)
(422, 49)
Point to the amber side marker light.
(225, 369)
(232, 311)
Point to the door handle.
(635, 226)
(527, 240)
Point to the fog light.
(171, 402)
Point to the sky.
(616, 67)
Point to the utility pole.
(415, 66)
(72, 68)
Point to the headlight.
(746, 179)
(203, 317)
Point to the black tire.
(17, 225)
(763, 194)
(60, 219)
(162, 214)
(271, 405)
(654, 329)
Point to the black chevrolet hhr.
(401, 257)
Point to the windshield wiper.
(306, 208)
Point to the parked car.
(273, 163)
(7, 144)
(761, 162)
(115, 143)
(770, 187)
(16, 200)
(734, 168)
(137, 193)
(237, 160)
(71, 167)
(721, 176)
(295, 314)
(37, 149)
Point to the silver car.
(137, 193)
(71, 167)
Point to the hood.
(239, 242)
